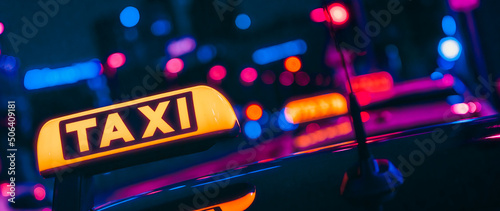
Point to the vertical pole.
(479, 58)
(73, 192)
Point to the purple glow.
(463, 5)
(180, 47)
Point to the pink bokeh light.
(217, 72)
(248, 75)
(116, 60)
(174, 65)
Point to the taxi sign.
(143, 124)
(315, 108)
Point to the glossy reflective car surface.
(445, 167)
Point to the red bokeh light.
(365, 116)
(217, 72)
(339, 14)
(248, 75)
(317, 15)
(364, 98)
(174, 65)
(286, 78)
(116, 60)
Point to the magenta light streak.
(492, 137)
(180, 47)
(463, 5)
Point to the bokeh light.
(472, 107)
(116, 60)
(317, 15)
(311, 127)
(252, 129)
(365, 116)
(39, 192)
(460, 108)
(248, 75)
(293, 64)
(302, 78)
(338, 13)
(436, 76)
(2, 27)
(129, 17)
(284, 124)
(445, 64)
(217, 72)
(449, 25)
(286, 78)
(254, 112)
(268, 77)
(206, 53)
(161, 27)
(4, 188)
(243, 21)
(174, 65)
(449, 48)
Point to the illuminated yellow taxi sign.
(315, 108)
(118, 129)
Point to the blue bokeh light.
(277, 52)
(252, 129)
(284, 124)
(243, 21)
(264, 118)
(444, 64)
(454, 99)
(206, 53)
(161, 27)
(449, 25)
(46, 77)
(459, 86)
(129, 17)
(436, 75)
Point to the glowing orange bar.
(322, 135)
(240, 204)
(201, 111)
(315, 108)
(373, 82)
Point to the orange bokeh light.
(254, 112)
(293, 64)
